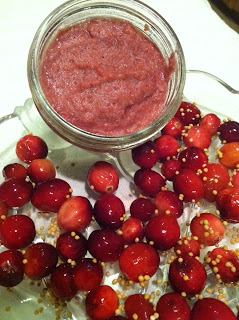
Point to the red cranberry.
(167, 146)
(227, 202)
(71, 245)
(208, 228)
(41, 259)
(173, 128)
(14, 170)
(197, 137)
(62, 282)
(41, 170)
(137, 307)
(188, 113)
(11, 268)
(211, 122)
(105, 245)
(109, 211)
(139, 260)
(235, 179)
(215, 178)
(168, 202)
(15, 192)
(103, 177)
(17, 231)
(49, 195)
(3, 211)
(188, 184)
(229, 131)
(187, 274)
(142, 209)
(101, 303)
(224, 263)
(149, 182)
(132, 230)
(31, 147)
(213, 309)
(75, 214)
(192, 158)
(163, 231)
(170, 168)
(146, 155)
(87, 274)
(187, 245)
(172, 306)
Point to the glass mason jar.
(138, 14)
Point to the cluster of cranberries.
(175, 172)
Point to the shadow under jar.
(148, 23)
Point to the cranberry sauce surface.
(105, 77)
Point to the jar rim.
(72, 133)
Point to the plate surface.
(29, 299)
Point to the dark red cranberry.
(188, 113)
(229, 131)
(31, 147)
(132, 230)
(227, 202)
(187, 274)
(163, 231)
(101, 303)
(105, 245)
(62, 282)
(103, 177)
(198, 137)
(149, 182)
(14, 170)
(109, 211)
(71, 245)
(170, 168)
(143, 209)
(146, 155)
(11, 268)
(172, 306)
(211, 122)
(188, 184)
(168, 202)
(49, 195)
(173, 128)
(17, 231)
(215, 178)
(188, 246)
(41, 260)
(211, 308)
(235, 179)
(15, 192)
(167, 146)
(192, 158)
(208, 228)
(88, 274)
(137, 307)
(41, 170)
(139, 260)
(75, 214)
(224, 263)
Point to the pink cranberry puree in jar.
(105, 77)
